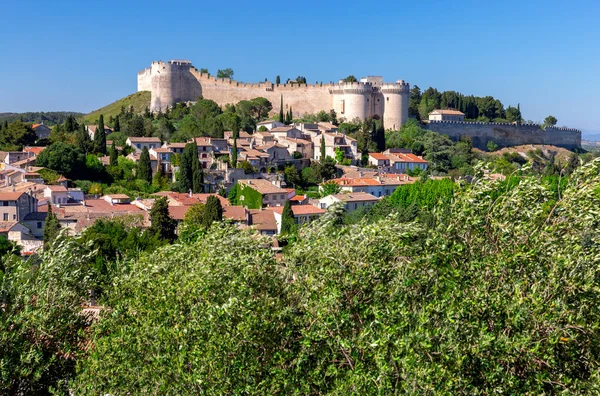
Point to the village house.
(263, 221)
(397, 161)
(333, 141)
(262, 138)
(41, 131)
(377, 186)
(302, 214)
(350, 201)
(446, 115)
(14, 206)
(269, 124)
(91, 130)
(138, 143)
(20, 235)
(271, 194)
(302, 146)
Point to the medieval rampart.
(179, 81)
(506, 135)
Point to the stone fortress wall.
(179, 81)
(506, 135)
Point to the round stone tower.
(395, 97)
(353, 99)
(172, 82)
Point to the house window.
(5, 217)
(14, 217)
(281, 196)
(39, 224)
(4, 203)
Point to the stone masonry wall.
(506, 135)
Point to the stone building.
(446, 115)
(178, 81)
(14, 206)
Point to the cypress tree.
(291, 115)
(144, 168)
(234, 153)
(281, 119)
(82, 140)
(114, 154)
(233, 194)
(117, 127)
(186, 167)
(213, 211)
(287, 218)
(51, 228)
(277, 80)
(322, 148)
(197, 181)
(161, 222)
(100, 137)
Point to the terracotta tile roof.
(282, 129)
(134, 139)
(34, 150)
(234, 213)
(379, 156)
(406, 157)
(177, 145)
(36, 125)
(447, 112)
(262, 186)
(10, 196)
(178, 212)
(117, 196)
(372, 181)
(356, 197)
(57, 188)
(301, 210)
(161, 150)
(263, 220)
(183, 199)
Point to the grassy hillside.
(139, 101)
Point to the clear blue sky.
(80, 55)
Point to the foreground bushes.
(498, 295)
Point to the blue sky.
(81, 55)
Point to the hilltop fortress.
(179, 81)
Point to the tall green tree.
(114, 155)
(100, 137)
(287, 219)
(144, 167)
(51, 228)
(162, 225)
(82, 140)
(225, 73)
(281, 117)
(197, 175)
(117, 124)
(323, 151)
(186, 167)
(213, 211)
(278, 80)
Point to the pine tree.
(114, 155)
(322, 148)
(117, 125)
(51, 228)
(287, 218)
(144, 168)
(213, 211)
(281, 119)
(161, 223)
(100, 137)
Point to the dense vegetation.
(48, 118)
(495, 290)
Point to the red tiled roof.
(234, 213)
(57, 188)
(301, 210)
(134, 139)
(34, 150)
(178, 212)
(379, 156)
(10, 196)
(184, 199)
(447, 112)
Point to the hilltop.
(524, 150)
(139, 101)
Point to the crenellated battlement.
(504, 134)
(178, 80)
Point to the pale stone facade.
(178, 81)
